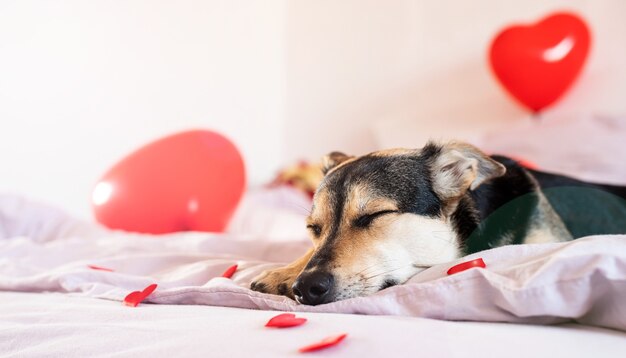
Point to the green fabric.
(510, 220)
(584, 211)
(588, 211)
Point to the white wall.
(361, 74)
(84, 82)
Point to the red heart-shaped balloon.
(187, 181)
(135, 297)
(285, 320)
(538, 63)
(466, 266)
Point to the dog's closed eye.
(366, 220)
(315, 229)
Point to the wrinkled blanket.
(583, 280)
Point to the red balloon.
(187, 181)
(538, 63)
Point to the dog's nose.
(313, 288)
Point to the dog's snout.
(313, 288)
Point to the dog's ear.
(333, 159)
(460, 167)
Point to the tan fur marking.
(360, 201)
(270, 280)
(393, 152)
(321, 213)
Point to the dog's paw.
(276, 282)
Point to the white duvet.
(42, 250)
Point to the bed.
(63, 280)
(64, 325)
(62, 283)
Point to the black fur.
(387, 284)
(548, 180)
(282, 289)
(259, 286)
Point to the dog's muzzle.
(314, 287)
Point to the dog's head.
(381, 218)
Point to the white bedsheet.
(60, 325)
(583, 280)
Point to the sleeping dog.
(379, 219)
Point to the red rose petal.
(466, 266)
(135, 297)
(323, 344)
(285, 320)
(230, 271)
(94, 267)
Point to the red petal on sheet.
(285, 320)
(94, 267)
(466, 266)
(230, 271)
(135, 297)
(323, 344)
